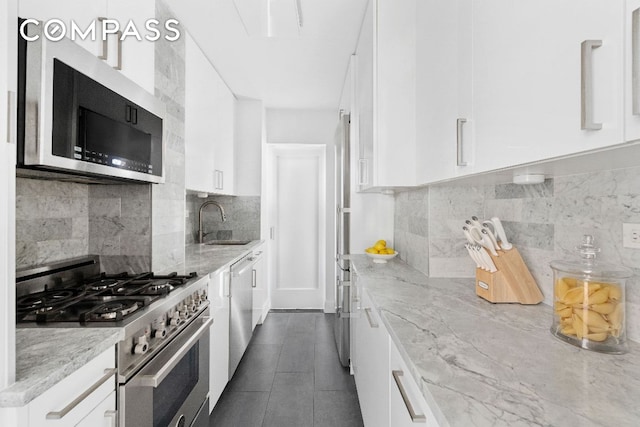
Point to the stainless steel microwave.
(77, 116)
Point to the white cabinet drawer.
(407, 406)
(103, 415)
(72, 399)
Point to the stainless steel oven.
(172, 388)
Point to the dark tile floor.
(290, 376)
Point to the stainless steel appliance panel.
(343, 206)
(240, 309)
(37, 111)
(174, 385)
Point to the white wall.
(289, 126)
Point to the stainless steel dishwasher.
(241, 309)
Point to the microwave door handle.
(154, 380)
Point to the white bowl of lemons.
(380, 253)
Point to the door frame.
(272, 218)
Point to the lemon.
(381, 242)
(390, 251)
(371, 250)
(379, 247)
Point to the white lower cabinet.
(219, 342)
(87, 397)
(407, 406)
(388, 394)
(260, 289)
(372, 348)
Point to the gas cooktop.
(94, 298)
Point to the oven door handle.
(154, 380)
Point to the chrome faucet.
(204, 205)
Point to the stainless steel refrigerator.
(343, 204)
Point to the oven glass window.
(169, 396)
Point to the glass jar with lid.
(589, 301)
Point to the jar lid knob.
(587, 248)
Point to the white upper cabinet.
(547, 79)
(632, 70)
(249, 120)
(209, 126)
(135, 59)
(224, 139)
(200, 113)
(386, 95)
(444, 140)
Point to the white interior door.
(297, 200)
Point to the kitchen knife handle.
(416, 418)
(635, 61)
(587, 48)
(459, 152)
(373, 324)
(57, 415)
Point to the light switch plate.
(631, 236)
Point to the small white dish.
(381, 259)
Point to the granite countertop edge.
(39, 369)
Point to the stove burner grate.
(102, 284)
(112, 310)
(46, 300)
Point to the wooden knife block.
(512, 283)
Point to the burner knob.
(142, 346)
(175, 319)
(160, 333)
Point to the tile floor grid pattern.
(290, 376)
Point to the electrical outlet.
(631, 236)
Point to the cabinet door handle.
(11, 117)
(118, 65)
(56, 415)
(105, 43)
(363, 172)
(373, 324)
(113, 417)
(254, 282)
(587, 48)
(459, 153)
(221, 180)
(416, 418)
(635, 61)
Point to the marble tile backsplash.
(120, 227)
(544, 221)
(52, 221)
(243, 218)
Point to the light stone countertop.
(206, 259)
(483, 364)
(45, 356)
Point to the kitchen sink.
(228, 242)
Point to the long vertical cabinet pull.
(118, 65)
(254, 281)
(416, 418)
(11, 117)
(105, 43)
(112, 416)
(459, 147)
(587, 48)
(373, 324)
(635, 61)
(363, 172)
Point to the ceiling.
(307, 71)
